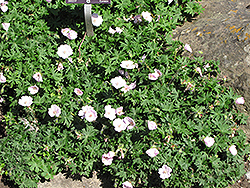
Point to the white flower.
(64, 51)
(91, 115)
(78, 91)
(233, 150)
(72, 34)
(6, 26)
(119, 111)
(129, 122)
(118, 30)
(170, 1)
(33, 89)
(118, 82)
(3, 5)
(152, 125)
(108, 158)
(209, 141)
(84, 110)
(2, 78)
(119, 125)
(147, 16)
(198, 69)
(127, 184)
(165, 172)
(60, 67)
(109, 112)
(38, 77)
(96, 20)
(25, 101)
(54, 110)
(128, 64)
(188, 48)
(112, 31)
(240, 100)
(152, 152)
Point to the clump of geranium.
(123, 124)
(88, 113)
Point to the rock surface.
(222, 32)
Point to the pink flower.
(33, 89)
(128, 64)
(65, 31)
(6, 26)
(147, 16)
(240, 100)
(130, 123)
(152, 125)
(72, 34)
(54, 110)
(209, 141)
(2, 78)
(48, 1)
(152, 152)
(3, 4)
(91, 115)
(25, 101)
(96, 19)
(64, 51)
(119, 111)
(188, 48)
(198, 69)
(60, 67)
(125, 89)
(108, 158)
(119, 125)
(170, 1)
(84, 110)
(233, 150)
(78, 91)
(109, 112)
(165, 172)
(38, 77)
(118, 82)
(155, 75)
(127, 184)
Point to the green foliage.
(186, 106)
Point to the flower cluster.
(70, 34)
(123, 124)
(88, 113)
(107, 158)
(116, 30)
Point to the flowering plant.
(123, 102)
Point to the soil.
(221, 32)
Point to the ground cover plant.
(122, 102)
